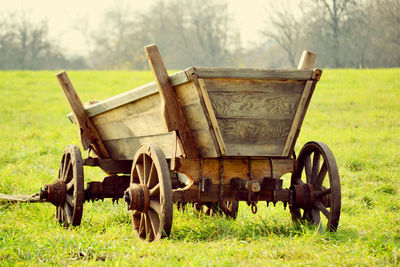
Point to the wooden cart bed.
(230, 112)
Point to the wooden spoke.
(66, 176)
(152, 176)
(139, 170)
(315, 167)
(147, 163)
(322, 208)
(70, 185)
(155, 191)
(155, 205)
(307, 168)
(154, 220)
(67, 213)
(142, 225)
(321, 175)
(70, 200)
(149, 229)
(63, 166)
(322, 193)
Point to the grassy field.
(356, 112)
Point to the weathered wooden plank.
(204, 143)
(253, 131)
(254, 105)
(131, 109)
(142, 124)
(307, 61)
(254, 85)
(134, 94)
(88, 132)
(254, 150)
(297, 75)
(170, 106)
(125, 148)
(208, 109)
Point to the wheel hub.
(55, 193)
(303, 196)
(137, 197)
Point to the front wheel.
(316, 187)
(149, 196)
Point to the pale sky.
(63, 15)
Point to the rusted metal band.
(221, 180)
(201, 176)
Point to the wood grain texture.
(211, 115)
(254, 131)
(254, 105)
(134, 94)
(88, 132)
(125, 148)
(170, 107)
(273, 74)
(307, 60)
(197, 118)
(254, 85)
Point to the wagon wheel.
(318, 195)
(70, 176)
(149, 196)
(229, 208)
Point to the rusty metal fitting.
(137, 197)
(303, 196)
(248, 185)
(253, 208)
(55, 192)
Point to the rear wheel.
(316, 186)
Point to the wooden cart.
(206, 136)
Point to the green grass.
(356, 112)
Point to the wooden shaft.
(170, 107)
(88, 132)
(307, 61)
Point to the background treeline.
(344, 34)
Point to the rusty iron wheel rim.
(150, 170)
(71, 173)
(315, 163)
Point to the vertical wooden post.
(88, 132)
(306, 62)
(170, 107)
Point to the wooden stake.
(306, 62)
(88, 132)
(170, 107)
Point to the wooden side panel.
(127, 124)
(195, 115)
(138, 118)
(125, 148)
(254, 116)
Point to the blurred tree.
(187, 33)
(24, 44)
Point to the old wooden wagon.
(206, 136)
